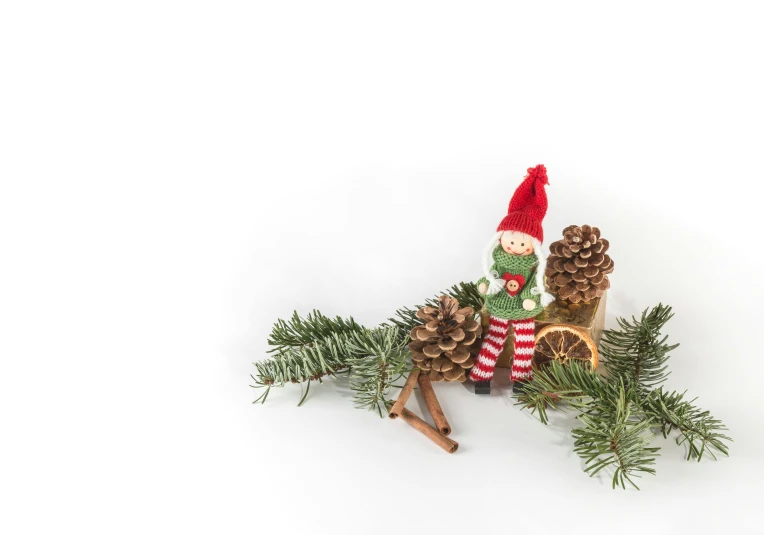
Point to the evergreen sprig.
(614, 429)
(620, 409)
(381, 361)
(305, 349)
(305, 363)
(310, 348)
(298, 332)
(561, 387)
(698, 430)
(309, 362)
(616, 436)
(636, 352)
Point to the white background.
(177, 175)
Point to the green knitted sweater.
(504, 305)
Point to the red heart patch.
(514, 283)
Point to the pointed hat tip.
(538, 173)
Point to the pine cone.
(578, 266)
(448, 343)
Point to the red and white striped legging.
(493, 343)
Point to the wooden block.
(587, 316)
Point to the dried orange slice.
(564, 343)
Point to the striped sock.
(525, 341)
(493, 344)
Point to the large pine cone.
(448, 342)
(578, 266)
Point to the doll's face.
(516, 243)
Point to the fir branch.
(617, 437)
(306, 349)
(615, 432)
(619, 409)
(561, 386)
(303, 363)
(299, 331)
(698, 430)
(375, 358)
(636, 353)
(381, 361)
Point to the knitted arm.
(528, 291)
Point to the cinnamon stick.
(430, 432)
(403, 397)
(441, 423)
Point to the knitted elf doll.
(513, 283)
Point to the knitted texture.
(502, 304)
(493, 344)
(491, 348)
(525, 341)
(528, 205)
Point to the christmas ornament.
(445, 346)
(578, 266)
(513, 283)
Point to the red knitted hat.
(528, 205)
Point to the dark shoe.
(519, 387)
(482, 387)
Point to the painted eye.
(522, 245)
(512, 242)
